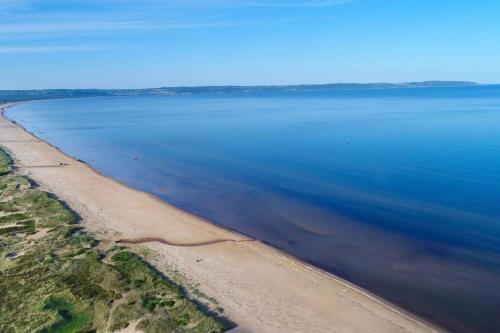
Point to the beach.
(259, 288)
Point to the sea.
(396, 190)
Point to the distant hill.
(23, 95)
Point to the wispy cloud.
(116, 18)
(23, 32)
(26, 20)
(291, 4)
(180, 3)
(97, 26)
(27, 28)
(13, 4)
(49, 49)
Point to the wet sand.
(260, 288)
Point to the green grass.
(68, 319)
(62, 283)
(27, 227)
(13, 218)
(5, 163)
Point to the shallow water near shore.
(396, 190)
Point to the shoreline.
(291, 295)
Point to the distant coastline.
(24, 95)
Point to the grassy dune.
(55, 278)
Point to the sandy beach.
(259, 288)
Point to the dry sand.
(260, 289)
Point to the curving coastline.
(262, 289)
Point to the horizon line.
(438, 82)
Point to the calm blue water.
(396, 190)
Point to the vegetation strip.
(53, 278)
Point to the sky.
(153, 43)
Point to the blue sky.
(125, 43)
